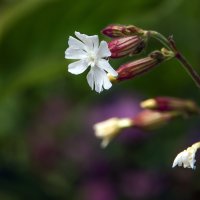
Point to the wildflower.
(171, 103)
(187, 157)
(125, 46)
(88, 52)
(108, 129)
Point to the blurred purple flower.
(52, 113)
(141, 184)
(78, 149)
(124, 105)
(44, 151)
(98, 189)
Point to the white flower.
(88, 52)
(108, 129)
(186, 158)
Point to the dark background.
(47, 146)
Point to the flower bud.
(125, 46)
(149, 119)
(115, 31)
(170, 103)
(139, 67)
(108, 129)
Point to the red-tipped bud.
(129, 45)
(149, 119)
(138, 67)
(115, 31)
(170, 103)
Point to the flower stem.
(170, 45)
(161, 38)
(188, 67)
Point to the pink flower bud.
(170, 103)
(115, 31)
(126, 46)
(138, 67)
(149, 119)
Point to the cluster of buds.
(129, 41)
(147, 119)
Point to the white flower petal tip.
(88, 52)
(105, 143)
(186, 158)
(110, 128)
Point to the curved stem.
(170, 45)
(161, 38)
(188, 67)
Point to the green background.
(45, 112)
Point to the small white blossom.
(108, 129)
(186, 158)
(88, 52)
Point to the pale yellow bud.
(108, 129)
(112, 78)
(149, 103)
(171, 104)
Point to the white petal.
(175, 162)
(81, 37)
(103, 50)
(105, 143)
(78, 67)
(91, 42)
(95, 42)
(104, 64)
(106, 83)
(99, 75)
(85, 39)
(74, 43)
(90, 78)
(72, 53)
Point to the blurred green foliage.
(33, 38)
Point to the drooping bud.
(170, 103)
(108, 129)
(139, 67)
(125, 46)
(149, 119)
(116, 31)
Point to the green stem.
(170, 45)
(161, 38)
(188, 67)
